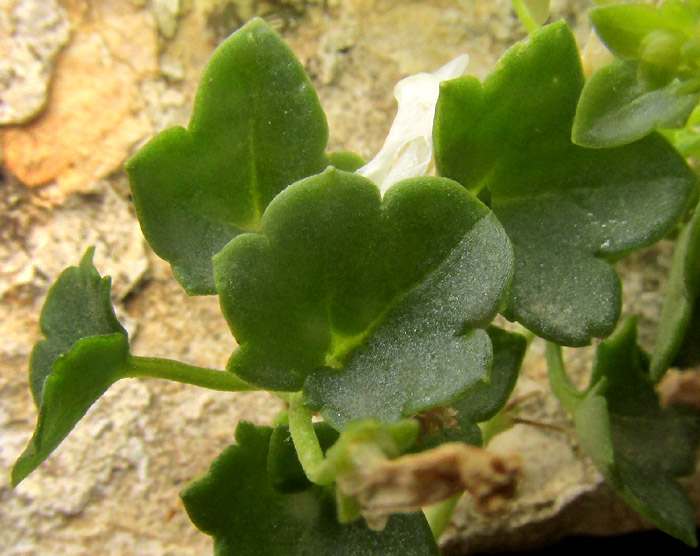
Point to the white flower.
(408, 149)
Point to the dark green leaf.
(682, 299)
(283, 467)
(85, 351)
(485, 399)
(616, 109)
(565, 208)
(383, 298)
(623, 27)
(640, 448)
(257, 126)
(237, 505)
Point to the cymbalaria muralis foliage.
(366, 292)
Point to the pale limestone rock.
(32, 33)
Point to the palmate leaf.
(257, 126)
(237, 504)
(566, 209)
(484, 400)
(84, 353)
(678, 324)
(383, 300)
(616, 108)
(640, 448)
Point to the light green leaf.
(257, 126)
(623, 27)
(566, 209)
(615, 108)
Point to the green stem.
(439, 515)
(154, 367)
(525, 16)
(306, 442)
(569, 396)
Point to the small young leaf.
(640, 448)
(485, 399)
(384, 298)
(616, 109)
(682, 299)
(84, 353)
(346, 160)
(257, 126)
(237, 505)
(623, 27)
(565, 208)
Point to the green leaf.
(539, 10)
(380, 296)
(257, 126)
(640, 448)
(682, 299)
(84, 353)
(283, 468)
(623, 27)
(237, 505)
(485, 399)
(615, 108)
(566, 209)
(346, 160)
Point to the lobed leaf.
(567, 210)
(237, 505)
(677, 329)
(616, 108)
(484, 400)
(382, 300)
(84, 353)
(256, 127)
(640, 448)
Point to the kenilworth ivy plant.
(366, 293)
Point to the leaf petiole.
(439, 515)
(308, 448)
(569, 396)
(155, 367)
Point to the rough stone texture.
(32, 32)
(112, 487)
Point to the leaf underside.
(256, 127)
(565, 209)
(381, 301)
(651, 446)
(237, 505)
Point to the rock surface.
(129, 70)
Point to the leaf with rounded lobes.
(616, 108)
(485, 399)
(385, 298)
(237, 505)
(85, 351)
(676, 335)
(640, 448)
(257, 126)
(566, 209)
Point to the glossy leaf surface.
(257, 126)
(84, 353)
(682, 298)
(566, 209)
(237, 505)
(640, 447)
(385, 295)
(615, 108)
